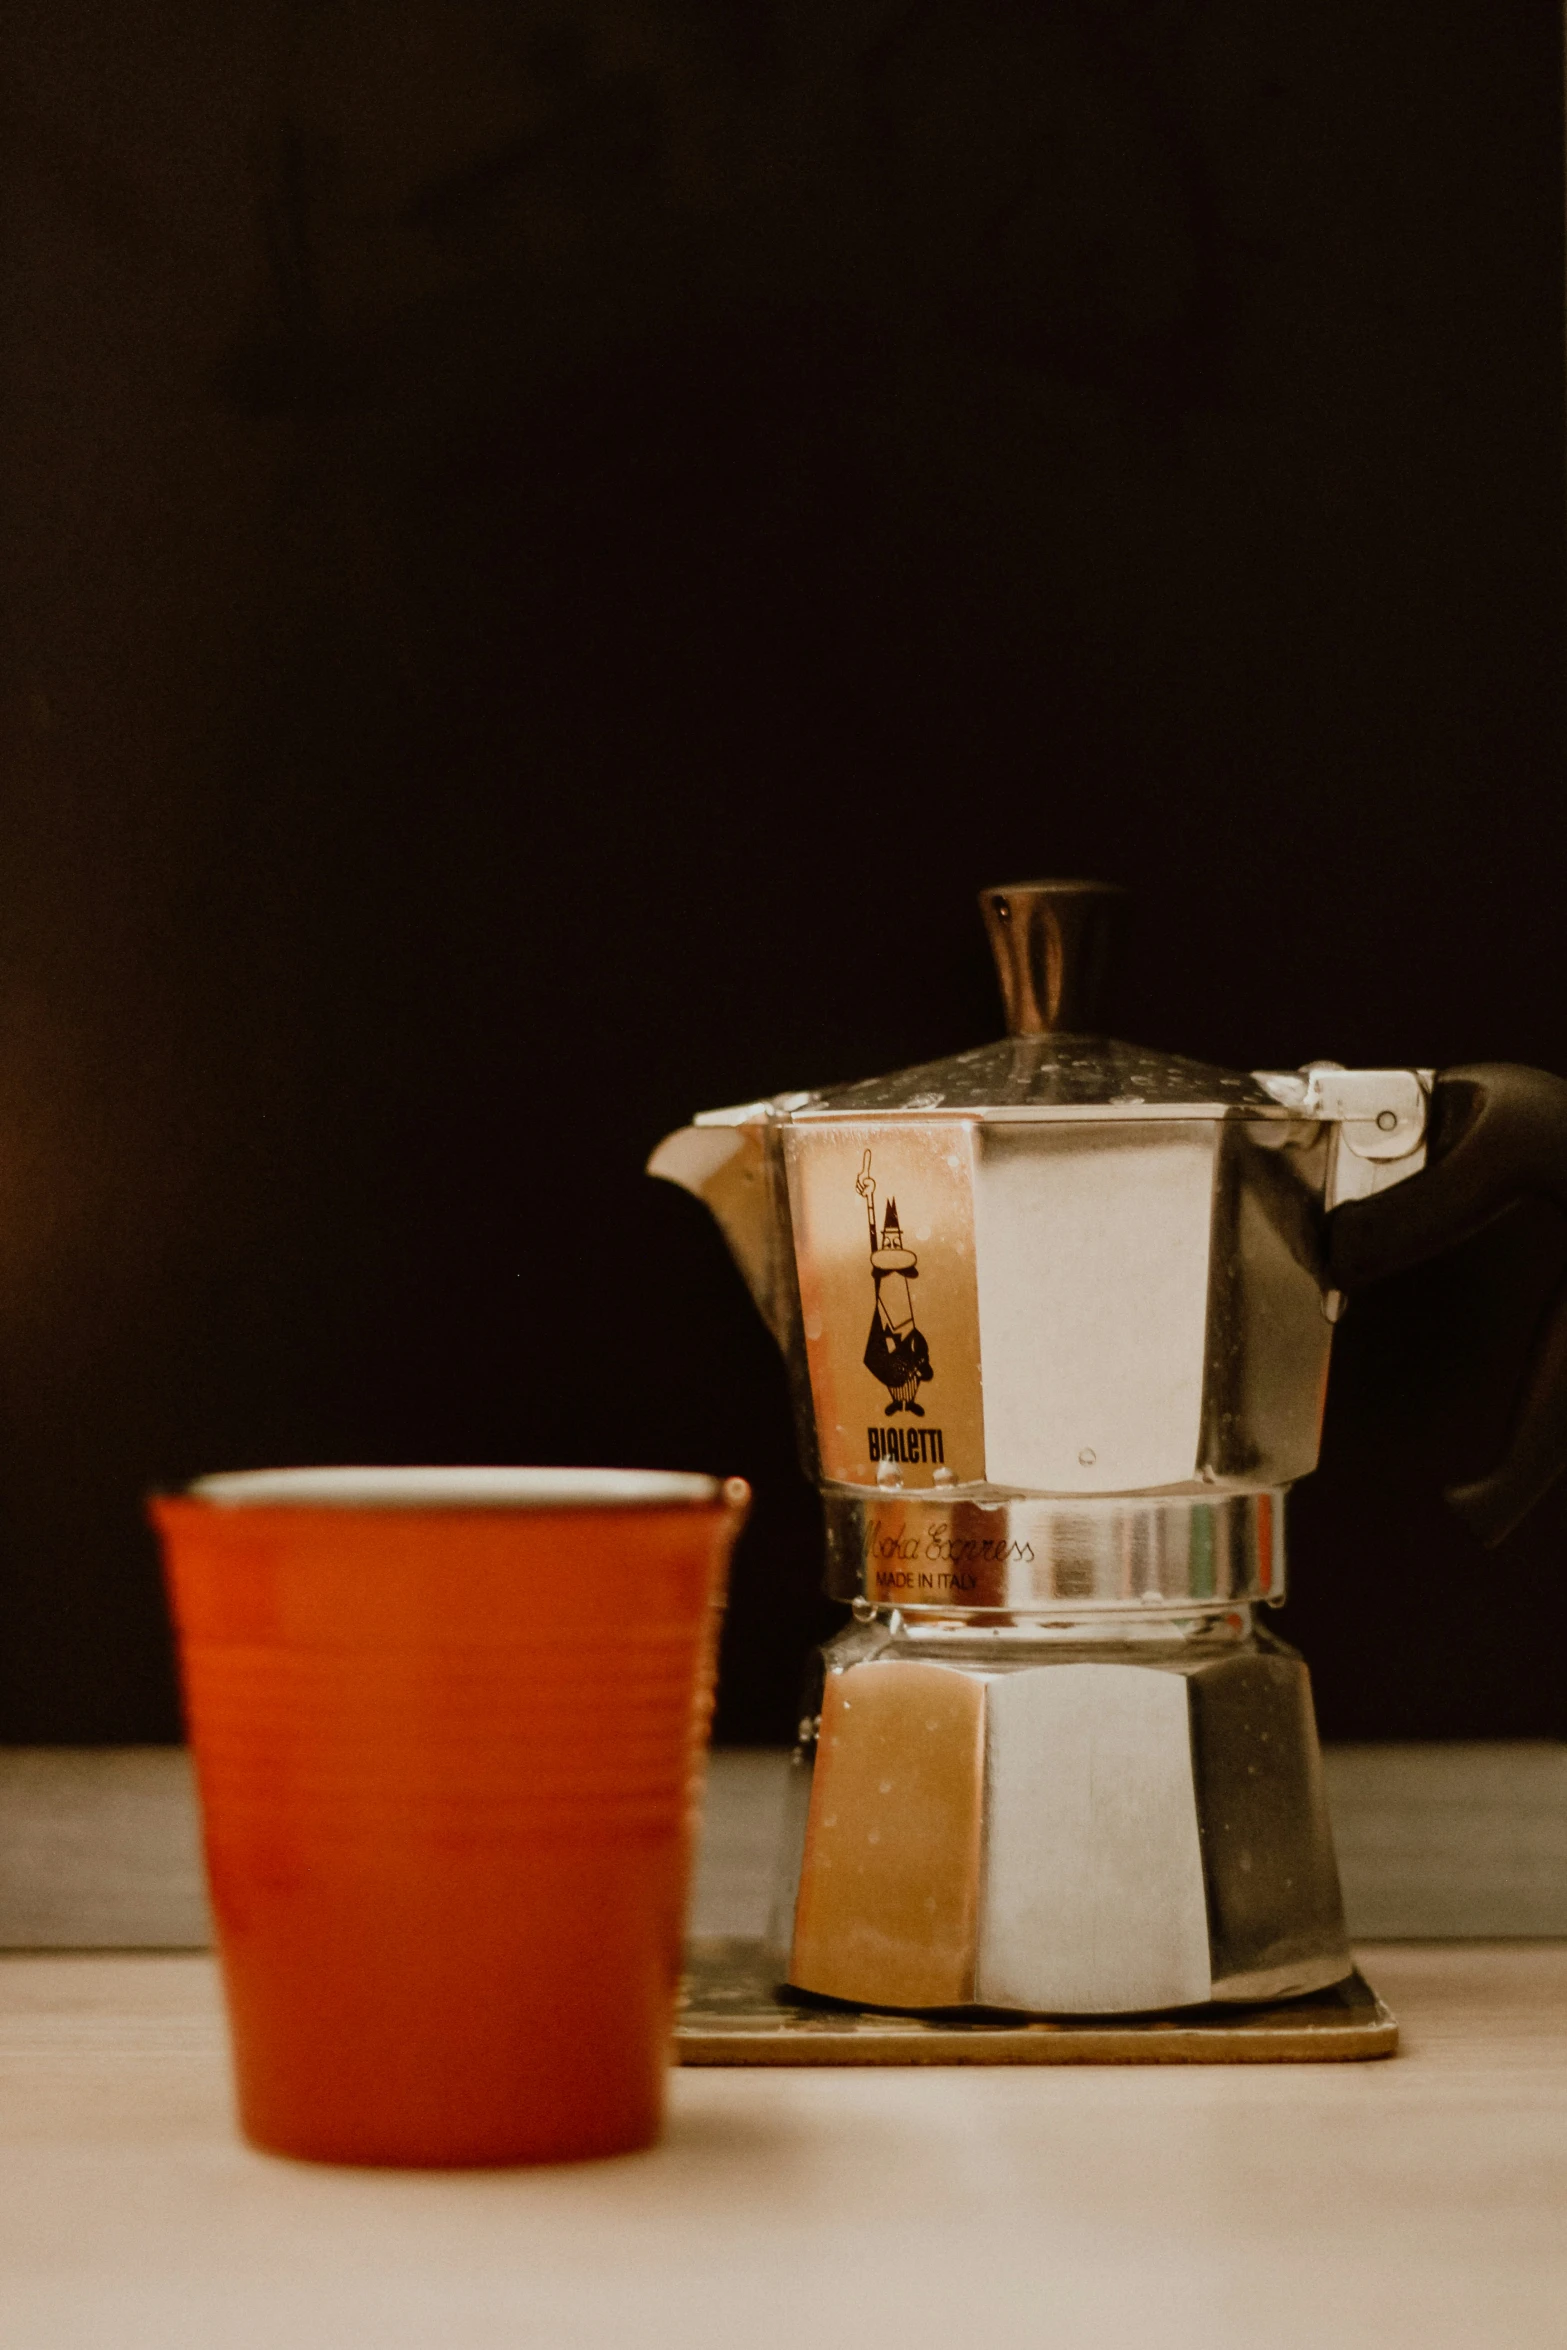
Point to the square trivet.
(731, 2013)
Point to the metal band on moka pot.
(948, 1552)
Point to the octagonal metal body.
(1010, 1822)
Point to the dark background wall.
(548, 549)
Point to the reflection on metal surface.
(1275, 1910)
(1092, 1245)
(1093, 1888)
(1147, 1829)
(1129, 1555)
(889, 1884)
(1052, 942)
(1268, 1340)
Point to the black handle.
(1498, 1134)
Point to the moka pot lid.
(1051, 940)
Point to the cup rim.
(445, 1488)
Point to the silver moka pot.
(1058, 1313)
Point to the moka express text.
(934, 1559)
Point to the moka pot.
(1058, 1313)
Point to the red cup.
(449, 1727)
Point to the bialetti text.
(905, 1444)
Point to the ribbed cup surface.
(446, 1763)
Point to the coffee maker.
(1058, 1313)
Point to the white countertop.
(1417, 2202)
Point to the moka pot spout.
(730, 1160)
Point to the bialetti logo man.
(895, 1351)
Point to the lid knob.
(1051, 941)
